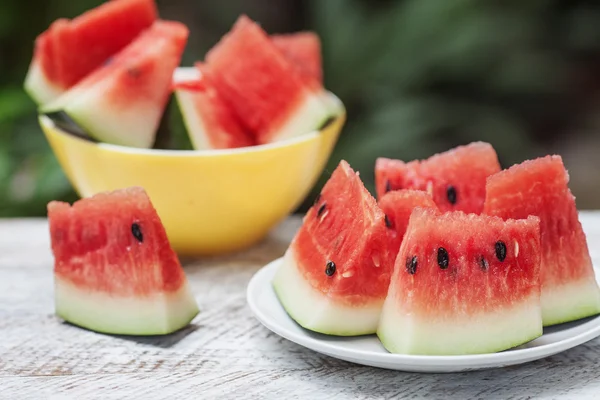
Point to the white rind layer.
(157, 314)
(192, 120)
(570, 302)
(308, 117)
(38, 87)
(403, 332)
(316, 311)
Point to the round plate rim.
(466, 362)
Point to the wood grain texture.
(225, 352)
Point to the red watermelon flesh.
(122, 102)
(210, 122)
(303, 49)
(455, 178)
(336, 272)
(463, 284)
(262, 86)
(115, 270)
(85, 43)
(398, 205)
(540, 187)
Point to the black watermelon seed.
(321, 209)
(411, 265)
(330, 268)
(483, 263)
(388, 223)
(451, 194)
(500, 250)
(443, 258)
(136, 230)
(388, 186)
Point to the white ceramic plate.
(368, 350)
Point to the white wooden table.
(225, 353)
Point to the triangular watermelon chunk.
(122, 102)
(463, 284)
(335, 274)
(540, 187)
(114, 269)
(83, 44)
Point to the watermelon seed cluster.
(136, 230)
(443, 259)
(500, 250)
(330, 268)
(411, 265)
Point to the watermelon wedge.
(114, 269)
(263, 88)
(303, 49)
(123, 101)
(335, 274)
(463, 284)
(540, 187)
(398, 205)
(70, 50)
(455, 178)
(210, 122)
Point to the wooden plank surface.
(225, 353)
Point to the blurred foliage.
(416, 76)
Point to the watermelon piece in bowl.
(335, 274)
(463, 284)
(115, 271)
(70, 50)
(303, 49)
(455, 178)
(263, 87)
(540, 187)
(123, 101)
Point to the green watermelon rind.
(38, 87)
(157, 314)
(584, 301)
(503, 330)
(316, 311)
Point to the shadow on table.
(161, 341)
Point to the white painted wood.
(225, 353)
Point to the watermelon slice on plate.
(540, 187)
(70, 50)
(398, 205)
(335, 274)
(123, 101)
(210, 122)
(114, 269)
(303, 49)
(263, 87)
(463, 284)
(455, 178)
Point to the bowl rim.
(182, 73)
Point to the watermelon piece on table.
(83, 44)
(540, 187)
(463, 284)
(114, 269)
(123, 101)
(303, 49)
(398, 205)
(455, 178)
(263, 87)
(210, 122)
(335, 274)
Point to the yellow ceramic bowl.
(210, 202)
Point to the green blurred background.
(417, 77)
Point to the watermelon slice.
(455, 179)
(210, 122)
(463, 284)
(335, 274)
(540, 187)
(263, 88)
(114, 270)
(122, 102)
(70, 50)
(398, 205)
(303, 49)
